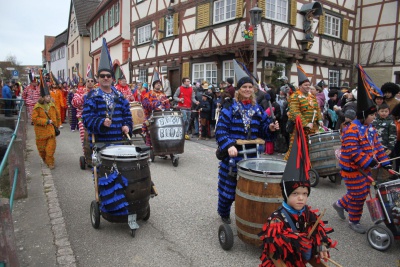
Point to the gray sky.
(24, 23)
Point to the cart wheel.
(225, 236)
(95, 214)
(314, 177)
(152, 156)
(380, 237)
(332, 178)
(82, 162)
(175, 161)
(133, 232)
(148, 214)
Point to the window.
(143, 75)
(144, 34)
(169, 26)
(163, 69)
(72, 50)
(334, 78)
(77, 47)
(106, 21)
(97, 29)
(68, 53)
(277, 10)
(332, 25)
(116, 16)
(228, 70)
(71, 29)
(101, 25)
(111, 16)
(205, 72)
(272, 64)
(224, 10)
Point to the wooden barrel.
(258, 194)
(321, 150)
(137, 116)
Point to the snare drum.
(133, 165)
(137, 116)
(322, 152)
(167, 132)
(258, 195)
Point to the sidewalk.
(40, 232)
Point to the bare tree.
(13, 59)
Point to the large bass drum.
(258, 195)
(167, 132)
(133, 165)
(137, 117)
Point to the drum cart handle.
(243, 143)
(96, 186)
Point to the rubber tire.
(225, 236)
(381, 230)
(313, 173)
(148, 214)
(332, 178)
(82, 162)
(95, 214)
(175, 161)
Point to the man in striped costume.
(360, 151)
(31, 95)
(304, 104)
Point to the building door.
(174, 79)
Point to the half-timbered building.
(199, 39)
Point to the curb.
(64, 254)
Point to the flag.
(369, 85)
(88, 69)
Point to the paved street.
(182, 229)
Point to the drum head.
(270, 166)
(119, 152)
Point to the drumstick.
(250, 142)
(388, 160)
(334, 262)
(316, 224)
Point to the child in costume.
(360, 152)
(287, 236)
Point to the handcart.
(167, 135)
(122, 183)
(258, 194)
(385, 207)
(322, 147)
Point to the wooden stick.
(96, 186)
(277, 263)
(250, 142)
(316, 224)
(334, 262)
(388, 160)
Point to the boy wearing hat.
(45, 117)
(360, 151)
(386, 128)
(287, 235)
(390, 90)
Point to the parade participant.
(288, 236)
(106, 112)
(7, 94)
(31, 94)
(73, 120)
(302, 103)
(349, 102)
(390, 90)
(204, 108)
(386, 128)
(167, 87)
(124, 88)
(230, 89)
(242, 119)
(184, 96)
(57, 95)
(155, 100)
(140, 92)
(360, 151)
(45, 117)
(77, 102)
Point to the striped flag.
(88, 69)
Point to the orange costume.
(45, 134)
(58, 97)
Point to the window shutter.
(321, 25)
(345, 30)
(185, 69)
(261, 4)
(239, 9)
(176, 24)
(161, 28)
(293, 12)
(203, 15)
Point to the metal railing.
(19, 103)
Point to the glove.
(373, 164)
(388, 167)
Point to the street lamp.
(255, 19)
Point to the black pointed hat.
(301, 74)
(44, 90)
(156, 78)
(31, 77)
(365, 102)
(298, 163)
(53, 79)
(105, 59)
(241, 76)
